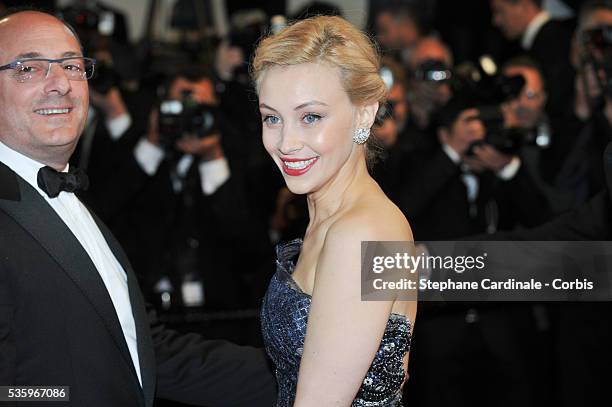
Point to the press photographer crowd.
(496, 122)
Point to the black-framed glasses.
(37, 69)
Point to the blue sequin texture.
(284, 317)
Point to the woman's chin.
(298, 188)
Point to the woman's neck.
(340, 193)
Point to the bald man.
(71, 313)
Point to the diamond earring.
(361, 135)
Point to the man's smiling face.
(42, 120)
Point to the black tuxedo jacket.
(551, 49)
(434, 198)
(590, 221)
(58, 325)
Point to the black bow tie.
(54, 182)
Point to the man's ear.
(366, 114)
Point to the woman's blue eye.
(311, 118)
(271, 119)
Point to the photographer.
(547, 144)
(392, 117)
(390, 127)
(235, 94)
(190, 226)
(426, 94)
(582, 354)
(544, 39)
(118, 108)
(527, 110)
(399, 28)
(92, 13)
(463, 185)
(581, 168)
(230, 68)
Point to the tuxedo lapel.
(146, 352)
(25, 205)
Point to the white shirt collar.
(84, 228)
(22, 165)
(533, 28)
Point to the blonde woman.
(319, 91)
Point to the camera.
(488, 91)
(91, 24)
(597, 43)
(484, 85)
(598, 38)
(507, 140)
(433, 71)
(178, 118)
(95, 29)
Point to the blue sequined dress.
(284, 316)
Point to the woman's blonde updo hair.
(334, 41)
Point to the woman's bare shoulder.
(374, 219)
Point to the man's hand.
(202, 91)
(207, 148)
(426, 97)
(487, 157)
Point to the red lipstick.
(297, 169)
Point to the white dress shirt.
(213, 173)
(533, 28)
(80, 222)
(471, 181)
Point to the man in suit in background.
(448, 192)
(546, 40)
(582, 354)
(71, 313)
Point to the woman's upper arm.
(343, 332)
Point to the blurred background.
(497, 118)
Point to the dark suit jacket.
(551, 49)
(590, 221)
(58, 325)
(434, 198)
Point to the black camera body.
(503, 139)
(489, 92)
(597, 43)
(91, 24)
(506, 140)
(433, 71)
(178, 118)
(95, 28)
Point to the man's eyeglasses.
(37, 69)
(531, 94)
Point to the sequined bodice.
(284, 316)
